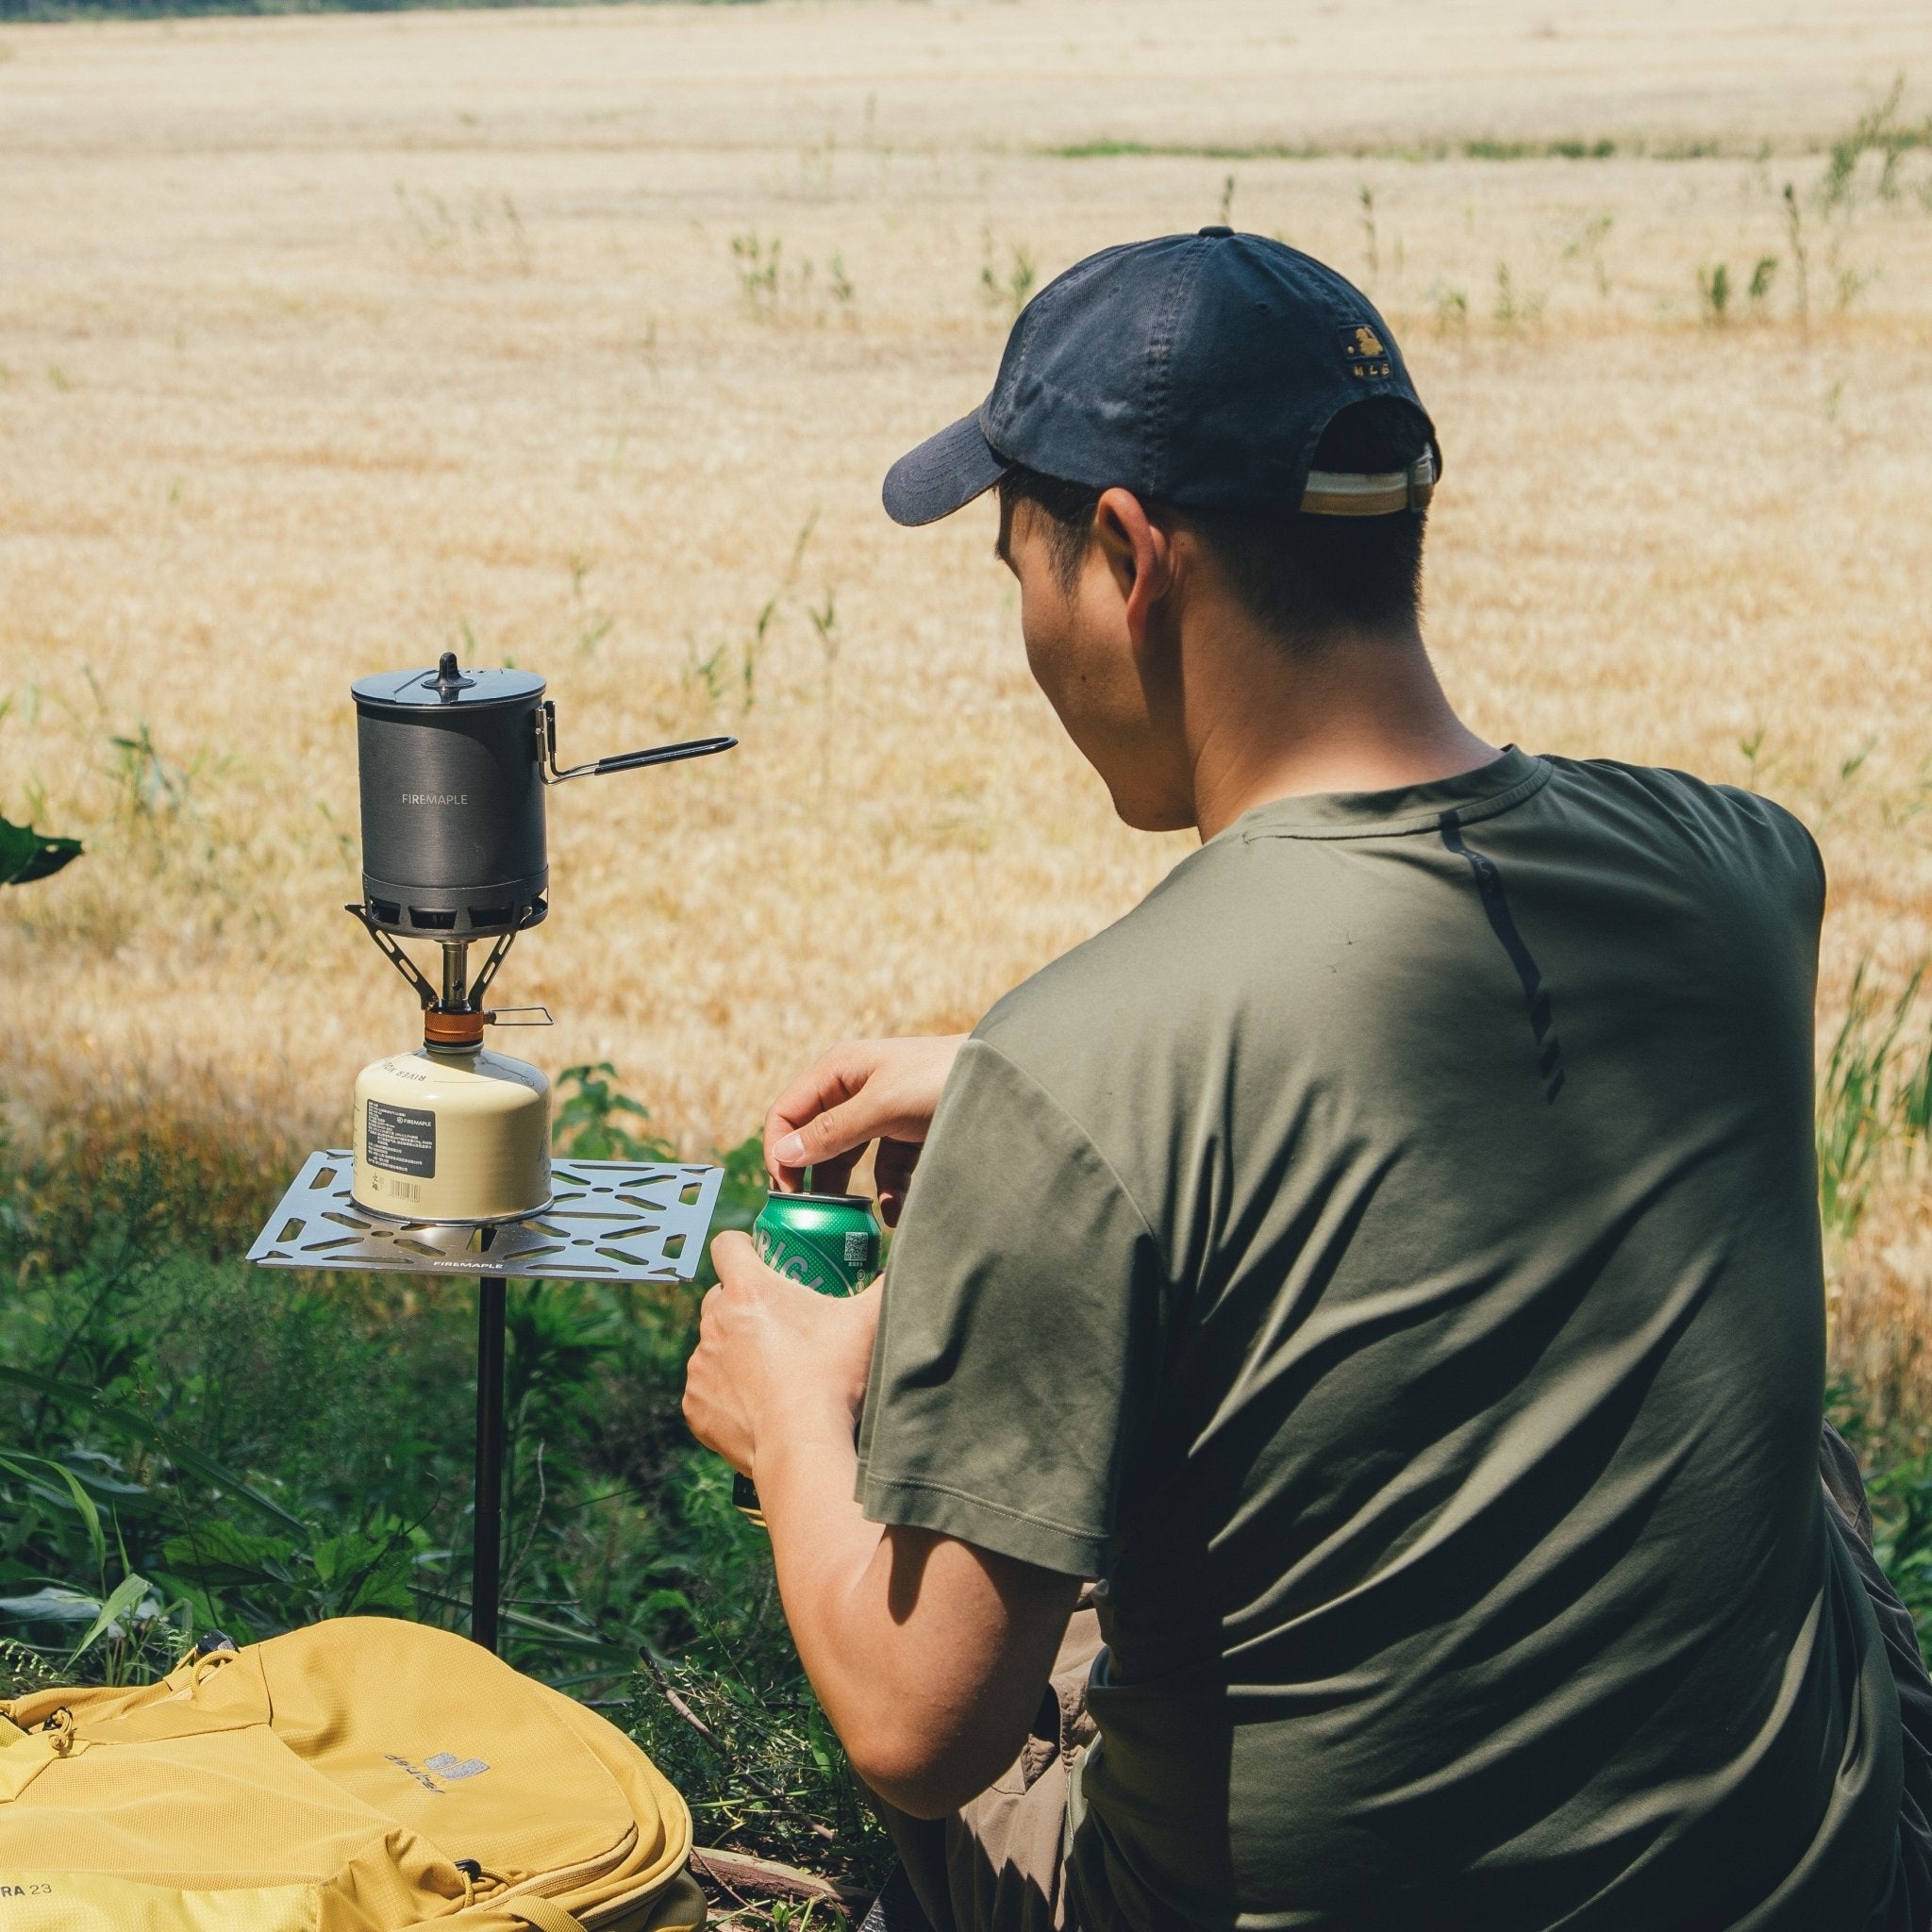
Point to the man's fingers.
(860, 1092)
(742, 1280)
(736, 1260)
(891, 1173)
(846, 1128)
(833, 1079)
(829, 1142)
(893, 1163)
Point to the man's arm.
(929, 1655)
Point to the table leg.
(487, 1553)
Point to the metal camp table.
(616, 1220)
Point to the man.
(1385, 1263)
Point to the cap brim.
(944, 473)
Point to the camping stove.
(454, 766)
(450, 1170)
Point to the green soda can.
(831, 1244)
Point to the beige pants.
(997, 1863)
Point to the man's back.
(1415, 1196)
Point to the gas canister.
(452, 1136)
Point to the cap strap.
(1347, 493)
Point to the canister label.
(402, 1139)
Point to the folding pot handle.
(552, 774)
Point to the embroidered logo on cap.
(1368, 355)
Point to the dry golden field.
(328, 344)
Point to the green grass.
(1842, 155)
(1875, 1098)
(1878, 132)
(1106, 147)
(189, 1442)
(1600, 150)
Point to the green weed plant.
(188, 1444)
(191, 1444)
(1875, 1098)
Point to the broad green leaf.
(657, 1602)
(53, 1604)
(26, 854)
(386, 1588)
(127, 1592)
(214, 1553)
(136, 1427)
(83, 1503)
(369, 1571)
(338, 1557)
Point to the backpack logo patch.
(446, 1765)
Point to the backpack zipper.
(567, 1877)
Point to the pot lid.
(447, 685)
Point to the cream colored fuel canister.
(452, 1136)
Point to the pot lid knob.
(449, 678)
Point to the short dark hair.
(1306, 578)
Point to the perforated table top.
(607, 1220)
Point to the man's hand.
(860, 1092)
(928, 1654)
(767, 1347)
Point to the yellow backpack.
(361, 1776)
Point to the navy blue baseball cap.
(1195, 370)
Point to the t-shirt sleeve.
(1021, 1331)
(1794, 841)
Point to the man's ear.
(1138, 554)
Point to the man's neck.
(1358, 714)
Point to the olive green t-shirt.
(1388, 1259)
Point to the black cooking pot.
(453, 767)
